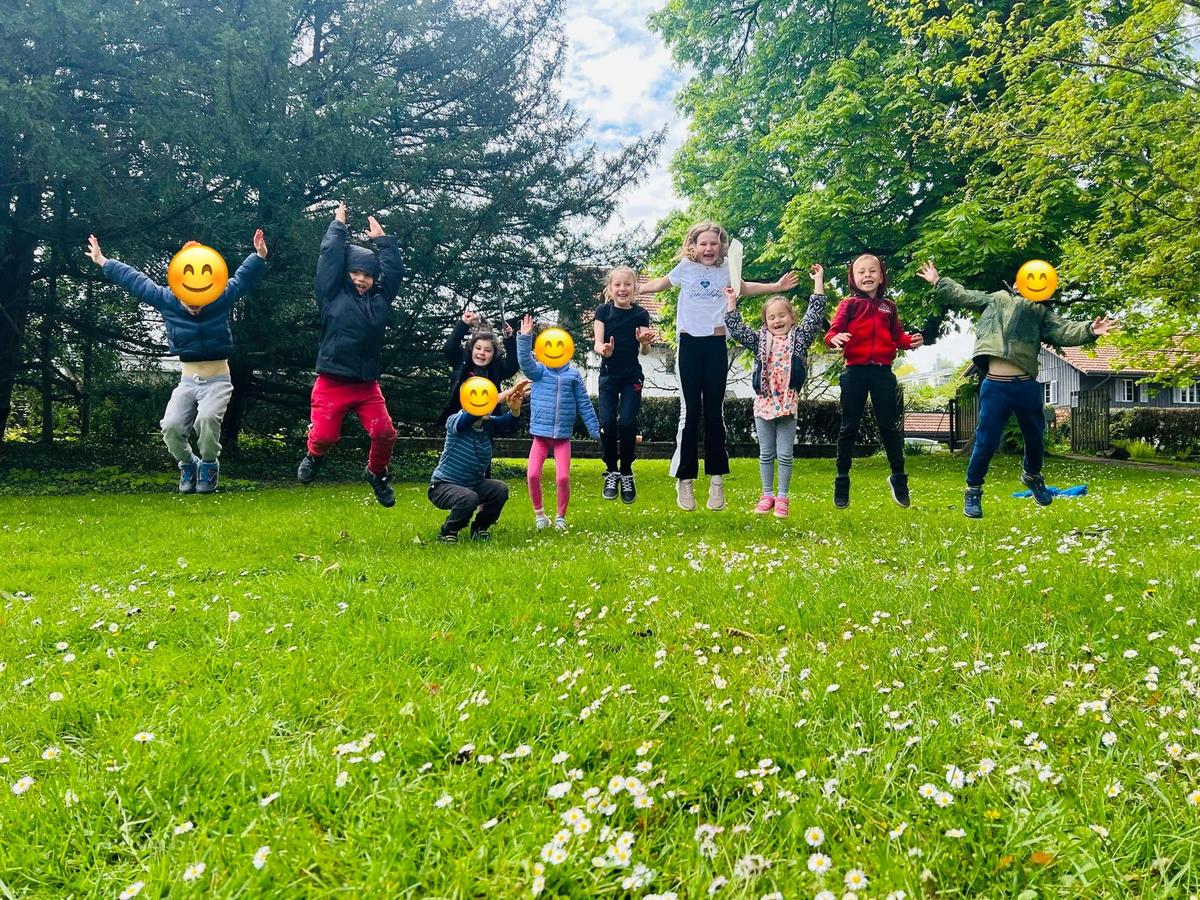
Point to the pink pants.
(542, 446)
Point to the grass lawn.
(655, 702)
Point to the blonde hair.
(688, 251)
(613, 273)
(778, 298)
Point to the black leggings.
(880, 382)
(619, 401)
(703, 366)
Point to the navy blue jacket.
(204, 336)
(352, 327)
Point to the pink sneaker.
(781, 507)
(766, 503)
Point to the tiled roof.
(927, 422)
(1106, 360)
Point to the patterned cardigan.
(798, 339)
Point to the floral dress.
(777, 399)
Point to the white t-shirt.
(701, 308)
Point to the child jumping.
(702, 274)
(780, 351)
(481, 354)
(355, 288)
(1007, 338)
(866, 328)
(621, 329)
(460, 483)
(557, 398)
(200, 337)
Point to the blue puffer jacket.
(352, 327)
(204, 336)
(557, 397)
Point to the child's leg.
(785, 443)
(607, 399)
(689, 367)
(461, 501)
(994, 407)
(631, 403)
(177, 421)
(884, 400)
(538, 451)
(1031, 416)
(562, 473)
(716, 374)
(766, 453)
(330, 403)
(493, 495)
(854, 401)
(373, 413)
(212, 399)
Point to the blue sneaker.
(973, 502)
(1037, 486)
(187, 477)
(207, 482)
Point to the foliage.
(1173, 431)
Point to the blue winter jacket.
(206, 335)
(352, 327)
(557, 396)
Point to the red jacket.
(875, 332)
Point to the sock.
(539, 513)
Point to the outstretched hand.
(93, 251)
(260, 243)
(817, 272)
(527, 324)
(374, 229)
(339, 214)
(1102, 325)
(787, 282)
(646, 336)
(929, 272)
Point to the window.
(1127, 391)
(1050, 393)
(1189, 394)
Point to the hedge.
(1169, 430)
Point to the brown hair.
(486, 334)
(883, 281)
(688, 251)
(612, 273)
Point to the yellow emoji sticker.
(197, 274)
(554, 348)
(478, 396)
(1037, 280)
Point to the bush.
(1172, 431)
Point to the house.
(931, 426)
(1067, 371)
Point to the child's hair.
(688, 251)
(486, 334)
(881, 289)
(772, 300)
(613, 273)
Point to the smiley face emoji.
(197, 274)
(554, 348)
(1037, 280)
(478, 396)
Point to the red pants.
(332, 398)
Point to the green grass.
(702, 646)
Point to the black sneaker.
(1037, 484)
(480, 534)
(899, 485)
(382, 485)
(610, 485)
(309, 466)
(841, 491)
(973, 503)
(628, 491)
(447, 537)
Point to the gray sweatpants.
(776, 438)
(198, 403)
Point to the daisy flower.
(132, 891)
(51, 753)
(144, 737)
(814, 836)
(260, 857)
(819, 863)
(856, 879)
(1113, 790)
(22, 785)
(184, 827)
(194, 871)
(943, 799)
(927, 791)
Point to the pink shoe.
(781, 507)
(766, 503)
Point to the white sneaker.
(716, 493)
(560, 524)
(685, 493)
(541, 521)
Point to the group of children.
(355, 287)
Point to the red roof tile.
(1106, 360)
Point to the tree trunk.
(89, 363)
(241, 373)
(16, 271)
(46, 352)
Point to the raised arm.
(738, 329)
(533, 369)
(331, 261)
(757, 288)
(1061, 333)
(654, 285)
(810, 325)
(390, 263)
(247, 277)
(130, 278)
(452, 350)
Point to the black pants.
(702, 366)
(880, 382)
(462, 501)
(619, 400)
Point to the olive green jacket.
(1012, 327)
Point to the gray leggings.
(198, 403)
(776, 438)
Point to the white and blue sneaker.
(187, 476)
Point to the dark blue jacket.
(352, 327)
(204, 336)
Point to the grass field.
(292, 692)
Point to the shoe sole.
(971, 515)
(715, 508)
(607, 497)
(628, 499)
(840, 505)
(763, 512)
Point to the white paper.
(735, 266)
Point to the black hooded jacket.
(458, 355)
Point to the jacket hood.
(360, 259)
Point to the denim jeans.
(997, 400)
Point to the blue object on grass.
(1076, 490)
